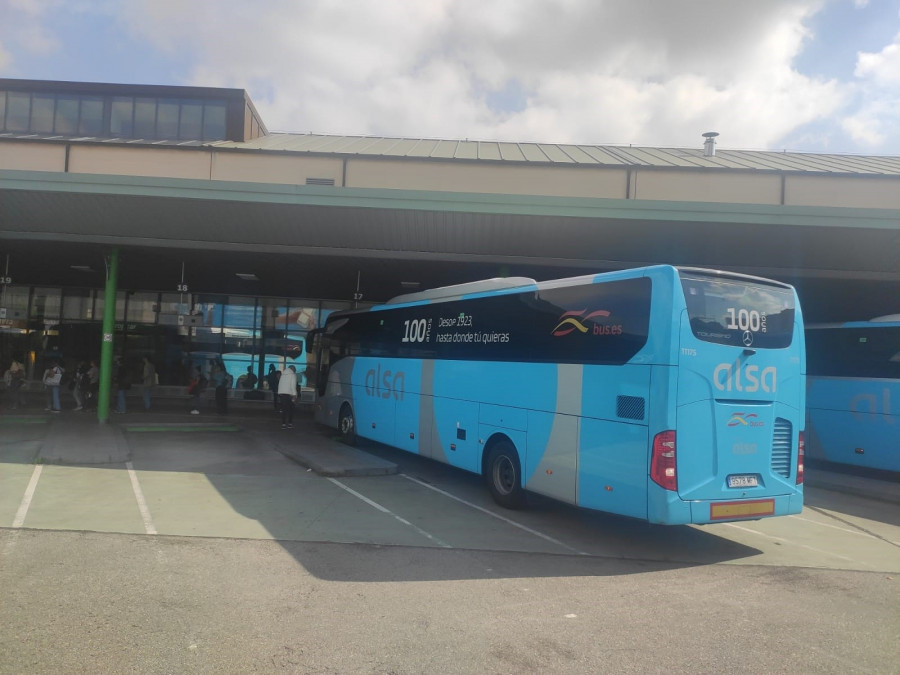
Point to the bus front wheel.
(504, 475)
(347, 425)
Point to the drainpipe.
(106, 348)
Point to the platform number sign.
(5, 281)
(182, 288)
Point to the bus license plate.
(742, 481)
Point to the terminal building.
(233, 241)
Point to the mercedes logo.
(747, 338)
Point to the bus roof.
(889, 321)
(459, 290)
(731, 275)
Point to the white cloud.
(641, 72)
(883, 67)
(874, 122)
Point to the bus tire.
(347, 424)
(503, 474)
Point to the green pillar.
(109, 326)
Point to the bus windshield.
(741, 313)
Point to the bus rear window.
(739, 313)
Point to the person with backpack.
(52, 379)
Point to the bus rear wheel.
(347, 425)
(504, 475)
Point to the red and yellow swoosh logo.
(742, 418)
(575, 320)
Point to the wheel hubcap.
(504, 475)
(346, 424)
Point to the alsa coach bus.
(853, 393)
(669, 395)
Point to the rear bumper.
(667, 509)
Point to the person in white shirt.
(287, 394)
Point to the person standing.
(92, 387)
(52, 378)
(80, 386)
(16, 382)
(272, 378)
(219, 378)
(148, 380)
(287, 394)
(196, 387)
(123, 384)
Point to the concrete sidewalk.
(77, 438)
(830, 478)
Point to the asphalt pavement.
(79, 438)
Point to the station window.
(18, 111)
(15, 301)
(42, 113)
(78, 305)
(91, 121)
(214, 121)
(66, 116)
(142, 307)
(191, 121)
(121, 116)
(45, 304)
(145, 118)
(167, 119)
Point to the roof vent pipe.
(709, 145)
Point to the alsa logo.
(577, 320)
(745, 419)
(384, 384)
(731, 376)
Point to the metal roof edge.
(465, 202)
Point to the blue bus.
(853, 393)
(673, 395)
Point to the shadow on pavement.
(257, 484)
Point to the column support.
(109, 326)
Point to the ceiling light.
(248, 277)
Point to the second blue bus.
(853, 395)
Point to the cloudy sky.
(801, 75)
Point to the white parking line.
(381, 508)
(794, 543)
(141, 502)
(497, 516)
(834, 527)
(29, 494)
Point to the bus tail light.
(662, 463)
(801, 451)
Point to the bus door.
(738, 411)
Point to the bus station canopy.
(318, 242)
